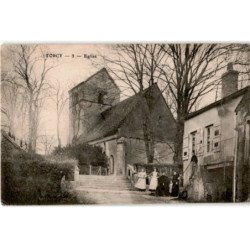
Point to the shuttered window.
(200, 144)
(216, 138)
(209, 137)
(185, 148)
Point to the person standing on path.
(153, 181)
(175, 181)
(194, 163)
(141, 182)
(163, 185)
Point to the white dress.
(141, 182)
(154, 181)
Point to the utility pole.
(235, 162)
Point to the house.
(128, 130)
(219, 135)
(242, 160)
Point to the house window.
(193, 136)
(209, 138)
(216, 132)
(185, 147)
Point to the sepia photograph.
(125, 124)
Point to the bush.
(31, 179)
(85, 155)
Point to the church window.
(159, 120)
(100, 98)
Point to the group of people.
(158, 184)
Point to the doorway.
(111, 164)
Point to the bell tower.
(88, 100)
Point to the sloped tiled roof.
(222, 101)
(113, 118)
(110, 120)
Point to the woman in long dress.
(175, 188)
(154, 181)
(141, 182)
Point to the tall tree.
(190, 72)
(60, 99)
(28, 70)
(13, 105)
(47, 142)
(242, 59)
(136, 67)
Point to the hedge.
(85, 154)
(31, 179)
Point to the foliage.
(31, 179)
(85, 154)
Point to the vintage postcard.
(125, 123)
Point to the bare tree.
(242, 59)
(13, 102)
(190, 72)
(136, 67)
(60, 100)
(185, 72)
(29, 69)
(47, 143)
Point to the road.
(108, 197)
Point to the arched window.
(100, 98)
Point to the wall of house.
(221, 153)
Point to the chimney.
(229, 81)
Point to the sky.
(73, 64)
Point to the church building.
(139, 129)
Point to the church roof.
(112, 119)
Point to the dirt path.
(107, 197)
